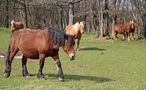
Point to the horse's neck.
(129, 26)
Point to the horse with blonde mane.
(126, 29)
(16, 25)
(76, 32)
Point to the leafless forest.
(99, 15)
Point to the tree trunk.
(144, 24)
(71, 11)
(7, 14)
(106, 19)
(101, 22)
(25, 11)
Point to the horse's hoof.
(27, 75)
(60, 79)
(41, 76)
(6, 75)
(77, 49)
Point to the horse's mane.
(76, 26)
(57, 36)
(82, 24)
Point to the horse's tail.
(7, 55)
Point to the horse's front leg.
(60, 75)
(132, 36)
(24, 67)
(124, 36)
(128, 37)
(41, 65)
(78, 42)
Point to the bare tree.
(99, 15)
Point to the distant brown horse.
(125, 29)
(16, 25)
(75, 31)
(39, 44)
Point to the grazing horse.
(75, 31)
(125, 29)
(39, 44)
(16, 25)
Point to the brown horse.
(16, 25)
(39, 44)
(75, 31)
(125, 29)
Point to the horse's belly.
(120, 31)
(35, 54)
(31, 55)
(34, 57)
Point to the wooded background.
(99, 15)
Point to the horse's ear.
(132, 21)
(82, 23)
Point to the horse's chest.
(78, 35)
(51, 52)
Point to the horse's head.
(132, 24)
(69, 46)
(78, 27)
(82, 27)
(16, 25)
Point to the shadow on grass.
(68, 77)
(92, 48)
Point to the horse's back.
(69, 30)
(119, 28)
(29, 41)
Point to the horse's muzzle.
(72, 58)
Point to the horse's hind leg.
(41, 65)
(11, 52)
(78, 42)
(124, 36)
(24, 67)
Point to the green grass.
(4, 38)
(99, 65)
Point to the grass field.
(99, 65)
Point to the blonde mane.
(76, 27)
